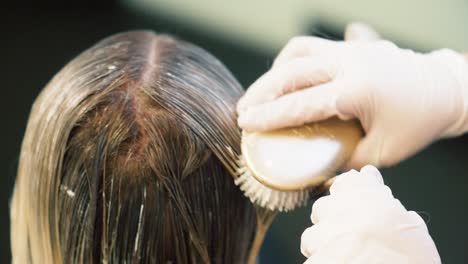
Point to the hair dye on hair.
(129, 156)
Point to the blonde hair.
(128, 156)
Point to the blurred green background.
(37, 40)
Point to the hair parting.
(129, 156)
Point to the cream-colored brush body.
(281, 168)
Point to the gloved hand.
(361, 222)
(403, 99)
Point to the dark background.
(38, 40)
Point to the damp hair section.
(129, 156)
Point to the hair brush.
(282, 169)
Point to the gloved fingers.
(303, 46)
(414, 229)
(367, 151)
(356, 207)
(368, 178)
(352, 183)
(317, 236)
(289, 77)
(350, 193)
(307, 245)
(341, 208)
(355, 102)
(341, 243)
(360, 31)
(341, 249)
(414, 220)
(320, 238)
(368, 182)
(371, 170)
(293, 109)
(320, 208)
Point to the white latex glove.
(403, 99)
(361, 222)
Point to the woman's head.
(127, 156)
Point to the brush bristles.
(266, 197)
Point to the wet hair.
(128, 157)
